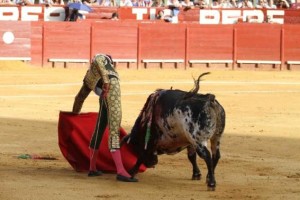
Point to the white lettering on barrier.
(60, 11)
(274, 13)
(9, 10)
(258, 14)
(139, 12)
(209, 17)
(30, 13)
(230, 17)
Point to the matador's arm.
(80, 97)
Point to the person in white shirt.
(265, 4)
(187, 3)
(224, 4)
(245, 4)
(24, 2)
(125, 3)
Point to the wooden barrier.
(116, 38)
(258, 44)
(240, 46)
(15, 40)
(66, 40)
(37, 43)
(161, 43)
(291, 45)
(208, 44)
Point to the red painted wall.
(17, 34)
(66, 40)
(145, 40)
(117, 38)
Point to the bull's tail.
(196, 88)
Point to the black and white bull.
(172, 120)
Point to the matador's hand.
(105, 90)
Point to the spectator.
(147, 3)
(74, 1)
(74, 15)
(125, 3)
(141, 3)
(6, 2)
(164, 15)
(89, 3)
(158, 3)
(106, 3)
(201, 4)
(51, 2)
(187, 4)
(282, 4)
(173, 3)
(135, 3)
(295, 4)
(245, 4)
(115, 16)
(265, 4)
(174, 6)
(24, 2)
(58, 2)
(223, 4)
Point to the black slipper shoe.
(94, 173)
(126, 179)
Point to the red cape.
(74, 135)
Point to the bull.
(173, 120)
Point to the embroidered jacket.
(100, 68)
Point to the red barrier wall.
(258, 42)
(291, 42)
(209, 42)
(118, 39)
(37, 43)
(66, 40)
(42, 41)
(162, 41)
(15, 39)
(54, 13)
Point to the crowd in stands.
(270, 4)
(168, 15)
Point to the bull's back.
(181, 122)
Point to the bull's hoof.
(196, 177)
(211, 185)
(211, 188)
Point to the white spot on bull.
(8, 37)
(176, 129)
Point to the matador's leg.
(100, 125)
(114, 113)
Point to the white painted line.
(150, 92)
(164, 82)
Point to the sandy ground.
(260, 150)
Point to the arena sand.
(260, 150)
